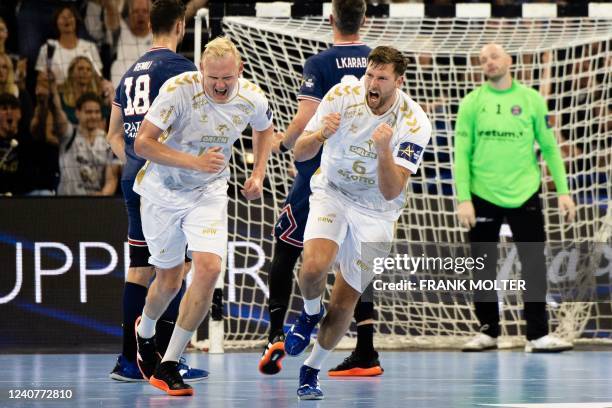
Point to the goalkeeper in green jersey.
(497, 177)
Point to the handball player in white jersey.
(187, 138)
(373, 138)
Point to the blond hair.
(220, 47)
(9, 86)
(70, 91)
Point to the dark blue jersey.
(324, 70)
(136, 92)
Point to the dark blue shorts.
(132, 204)
(292, 219)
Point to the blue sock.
(134, 296)
(165, 324)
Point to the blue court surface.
(429, 379)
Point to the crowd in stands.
(60, 63)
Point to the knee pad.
(139, 256)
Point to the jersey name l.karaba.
(349, 162)
(192, 123)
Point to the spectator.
(20, 172)
(56, 55)
(8, 85)
(134, 40)
(101, 18)
(19, 63)
(82, 78)
(7, 76)
(86, 162)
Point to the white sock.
(312, 306)
(317, 356)
(178, 342)
(146, 328)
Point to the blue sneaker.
(298, 336)
(309, 384)
(191, 375)
(126, 371)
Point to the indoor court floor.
(432, 379)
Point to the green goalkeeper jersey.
(495, 156)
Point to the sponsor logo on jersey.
(350, 176)
(410, 151)
(247, 109)
(130, 129)
(199, 102)
(500, 135)
(214, 139)
(364, 152)
(222, 128)
(354, 111)
(516, 110)
(362, 265)
(237, 120)
(329, 218)
(212, 228)
(308, 82)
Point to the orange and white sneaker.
(270, 362)
(358, 366)
(168, 379)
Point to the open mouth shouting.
(220, 92)
(373, 97)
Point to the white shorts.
(203, 228)
(360, 237)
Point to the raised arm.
(306, 110)
(309, 143)
(391, 176)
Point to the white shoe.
(480, 342)
(548, 344)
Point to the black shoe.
(168, 378)
(270, 362)
(147, 356)
(356, 365)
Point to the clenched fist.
(211, 161)
(253, 188)
(382, 136)
(331, 124)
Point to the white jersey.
(193, 123)
(349, 162)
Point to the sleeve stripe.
(117, 104)
(312, 98)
